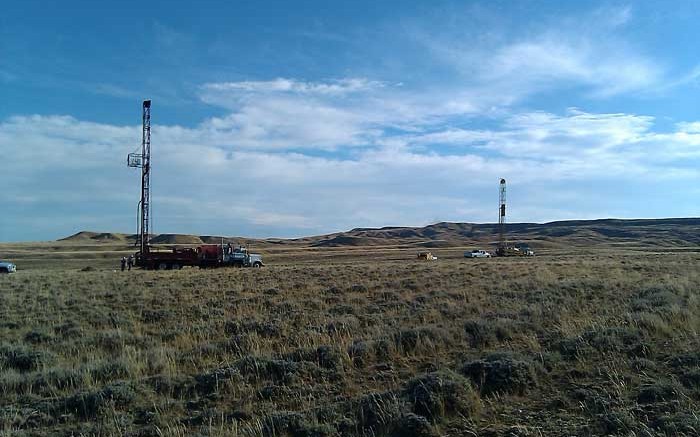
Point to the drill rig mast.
(143, 161)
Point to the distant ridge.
(107, 237)
(651, 232)
(176, 239)
(672, 231)
(82, 235)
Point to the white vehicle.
(477, 253)
(7, 267)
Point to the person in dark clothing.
(130, 261)
(123, 262)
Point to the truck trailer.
(204, 256)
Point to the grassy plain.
(352, 342)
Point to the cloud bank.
(293, 156)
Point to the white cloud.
(689, 128)
(579, 145)
(556, 61)
(286, 113)
(204, 182)
(586, 53)
(336, 87)
(279, 123)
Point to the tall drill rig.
(501, 249)
(143, 161)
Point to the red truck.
(204, 256)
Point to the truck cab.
(241, 257)
(219, 255)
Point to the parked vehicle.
(427, 256)
(215, 255)
(204, 256)
(174, 259)
(7, 267)
(514, 251)
(477, 253)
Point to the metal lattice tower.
(502, 215)
(143, 161)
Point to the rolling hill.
(647, 232)
(665, 232)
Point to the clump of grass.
(484, 333)
(616, 339)
(413, 425)
(594, 399)
(38, 336)
(325, 356)
(269, 328)
(57, 378)
(87, 405)
(618, 422)
(691, 379)
(686, 359)
(501, 373)
(209, 382)
(659, 391)
(23, 358)
(68, 330)
(480, 333)
(678, 424)
(109, 370)
(414, 339)
(344, 325)
(365, 353)
(378, 412)
(267, 369)
(295, 424)
(180, 386)
(440, 394)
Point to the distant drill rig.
(143, 161)
(502, 245)
(503, 248)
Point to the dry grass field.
(352, 342)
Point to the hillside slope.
(652, 232)
(664, 232)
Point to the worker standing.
(130, 261)
(123, 262)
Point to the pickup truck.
(478, 253)
(7, 267)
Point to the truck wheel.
(257, 265)
(176, 266)
(162, 266)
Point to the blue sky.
(279, 118)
